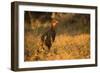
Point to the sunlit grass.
(72, 39)
(64, 47)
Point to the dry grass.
(64, 47)
(72, 40)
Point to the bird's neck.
(52, 28)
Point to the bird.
(49, 36)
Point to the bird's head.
(54, 22)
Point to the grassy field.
(64, 47)
(72, 41)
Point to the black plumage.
(48, 37)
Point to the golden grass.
(65, 47)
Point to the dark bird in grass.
(49, 36)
